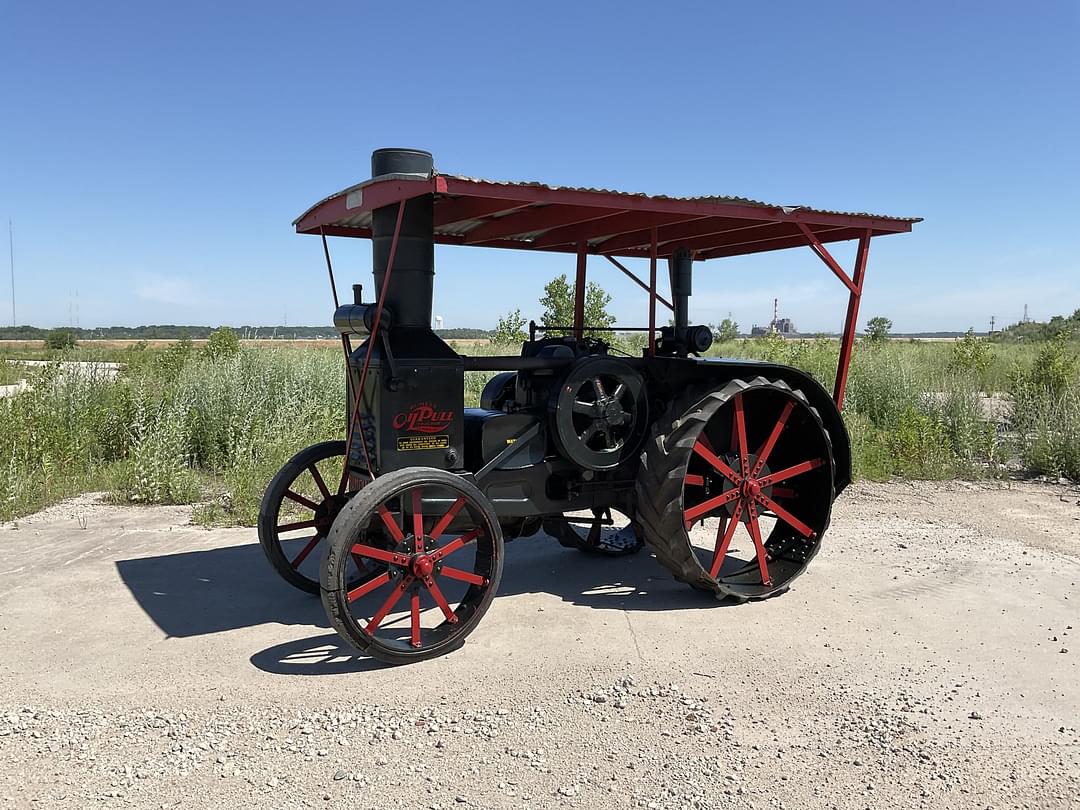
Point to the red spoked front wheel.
(441, 550)
(741, 489)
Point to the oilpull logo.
(423, 418)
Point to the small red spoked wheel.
(442, 550)
(737, 493)
(298, 509)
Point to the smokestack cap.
(401, 161)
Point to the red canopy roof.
(533, 216)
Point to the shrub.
(727, 330)
(878, 328)
(223, 342)
(1056, 366)
(59, 340)
(919, 446)
(971, 355)
(510, 329)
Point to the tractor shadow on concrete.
(195, 593)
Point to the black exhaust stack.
(410, 290)
(683, 338)
(681, 265)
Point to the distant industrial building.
(777, 326)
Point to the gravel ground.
(927, 659)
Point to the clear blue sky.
(153, 156)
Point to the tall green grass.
(182, 425)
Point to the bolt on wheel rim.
(758, 491)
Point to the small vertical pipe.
(329, 266)
(652, 292)
(847, 342)
(579, 291)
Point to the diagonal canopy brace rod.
(638, 281)
(826, 257)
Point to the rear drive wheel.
(298, 509)
(735, 489)
(441, 549)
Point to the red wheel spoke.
(464, 576)
(740, 433)
(417, 521)
(787, 517)
(300, 499)
(319, 481)
(694, 480)
(716, 463)
(379, 554)
(388, 605)
(415, 612)
(704, 439)
(391, 524)
(369, 586)
(440, 600)
(763, 453)
(290, 527)
(454, 545)
(724, 540)
(790, 472)
(705, 507)
(759, 547)
(446, 519)
(314, 541)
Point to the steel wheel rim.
(440, 561)
(763, 457)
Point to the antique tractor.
(400, 526)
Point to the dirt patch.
(927, 659)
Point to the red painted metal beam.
(530, 220)
(702, 226)
(459, 209)
(780, 243)
(639, 282)
(847, 342)
(747, 236)
(579, 291)
(825, 256)
(614, 224)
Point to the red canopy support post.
(579, 291)
(652, 292)
(847, 342)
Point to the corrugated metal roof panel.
(707, 198)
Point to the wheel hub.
(749, 488)
(422, 565)
(327, 512)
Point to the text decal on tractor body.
(423, 442)
(423, 418)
